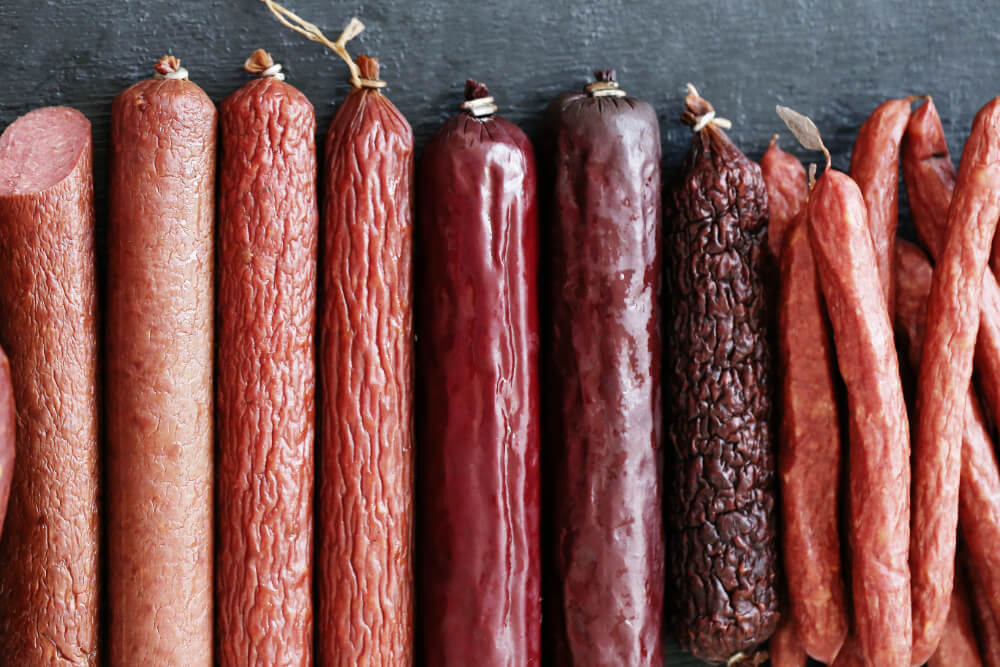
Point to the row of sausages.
(892, 597)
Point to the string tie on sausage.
(261, 63)
(699, 121)
(169, 67)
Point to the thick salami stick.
(8, 426)
(158, 349)
(987, 630)
(945, 371)
(879, 524)
(809, 455)
(48, 311)
(366, 447)
(875, 168)
(930, 182)
(784, 648)
(479, 386)
(958, 647)
(787, 191)
(265, 383)
(721, 512)
(604, 153)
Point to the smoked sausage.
(879, 487)
(787, 191)
(784, 648)
(721, 488)
(158, 385)
(987, 631)
(479, 413)
(602, 149)
(945, 372)
(958, 647)
(268, 233)
(365, 527)
(49, 593)
(8, 425)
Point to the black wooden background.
(832, 60)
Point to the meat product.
(787, 191)
(987, 631)
(603, 159)
(8, 426)
(268, 233)
(784, 648)
(721, 483)
(49, 595)
(958, 647)
(158, 384)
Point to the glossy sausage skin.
(809, 455)
(268, 232)
(721, 512)
(8, 427)
(787, 192)
(365, 527)
(875, 168)
(49, 590)
(604, 161)
(879, 450)
(945, 372)
(159, 353)
(479, 419)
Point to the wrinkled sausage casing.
(48, 301)
(8, 427)
(721, 485)
(158, 348)
(787, 192)
(479, 399)
(365, 527)
(604, 159)
(265, 385)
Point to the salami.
(958, 647)
(265, 385)
(49, 593)
(784, 648)
(8, 425)
(158, 350)
(479, 382)
(603, 161)
(985, 624)
(787, 191)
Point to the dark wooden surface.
(833, 61)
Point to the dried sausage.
(879, 514)
(8, 424)
(787, 191)
(987, 631)
(365, 527)
(479, 411)
(158, 385)
(721, 513)
(268, 232)
(945, 372)
(603, 152)
(958, 647)
(784, 648)
(49, 593)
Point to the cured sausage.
(875, 168)
(945, 371)
(784, 648)
(809, 455)
(479, 386)
(365, 528)
(158, 385)
(879, 514)
(958, 647)
(721, 513)
(787, 191)
(268, 233)
(603, 153)
(49, 594)
(987, 631)
(930, 182)
(8, 425)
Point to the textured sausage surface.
(365, 527)
(158, 389)
(268, 232)
(875, 168)
(8, 427)
(958, 647)
(945, 372)
(987, 630)
(784, 648)
(879, 450)
(479, 416)
(48, 300)
(787, 191)
(721, 481)
(604, 162)
(809, 455)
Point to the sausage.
(268, 233)
(879, 514)
(787, 191)
(945, 371)
(784, 648)
(721, 513)
(158, 385)
(366, 331)
(479, 381)
(809, 455)
(8, 426)
(49, 591)
(987, 631)
(603, 152)
(875, 168)
(850, 654)
(958, 647)
(930, 181)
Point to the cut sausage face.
(40, 149)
